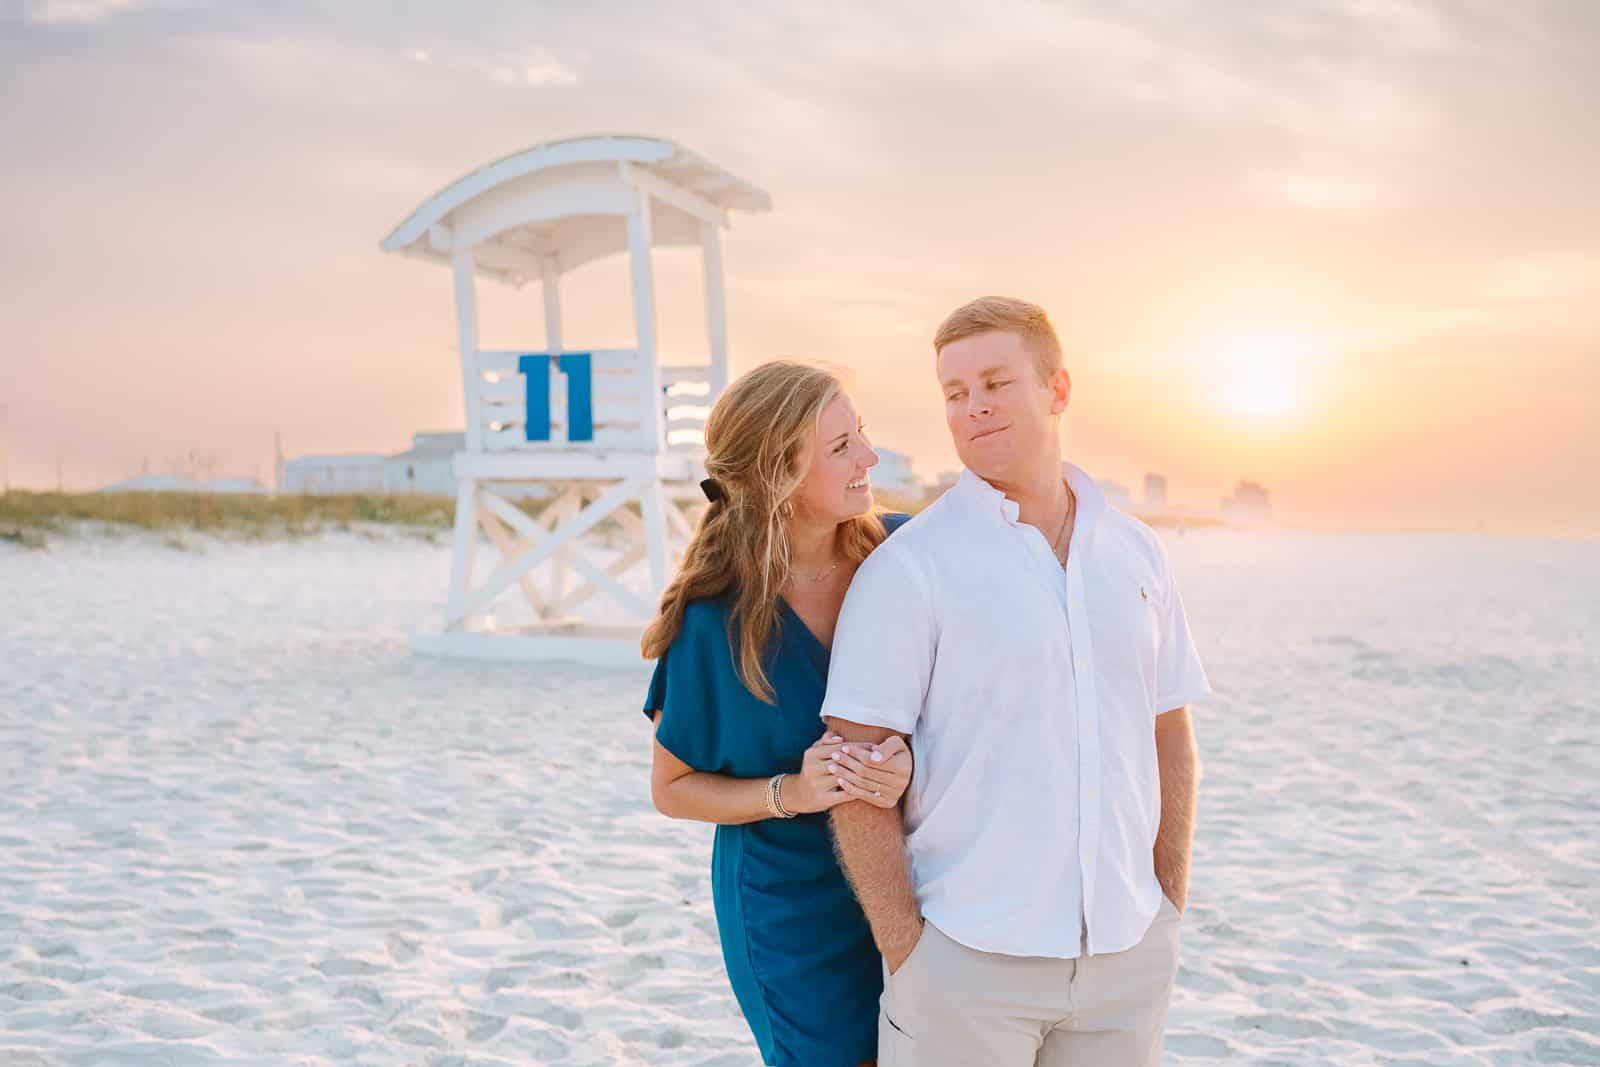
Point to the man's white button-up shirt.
(1030, 693)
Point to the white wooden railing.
(625, 412)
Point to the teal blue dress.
(797, 948)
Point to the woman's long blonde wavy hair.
(756, 436)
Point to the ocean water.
(243, 823)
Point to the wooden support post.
(564, 507)
(653, 510)
(464, 541)
(507, 544)
(716, 307)
(644, 317)
(551, 285)
(533, 555)
(467, 342)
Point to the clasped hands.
(835, 771)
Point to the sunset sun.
(1258, 374)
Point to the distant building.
(361, 473)
(154, 483)
(232, 485)
(1155, 494)
(427, 466)
(1250, 503)
(1117, 495)
(183, 483)
(894, 474)
(940, 485)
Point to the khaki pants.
(950, 1005)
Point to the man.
(1030, 641)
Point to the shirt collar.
(1091, 501)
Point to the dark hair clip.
(711, 489)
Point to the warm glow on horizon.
(1259, 373)
(1248, 223)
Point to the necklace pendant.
(823, 575)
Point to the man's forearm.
(1175, 754)
(872, 850)
(871, 842)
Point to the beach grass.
(32, 519)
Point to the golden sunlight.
(1258, 374)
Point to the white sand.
(242, 823)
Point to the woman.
(742, 642)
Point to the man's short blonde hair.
(1004, 314)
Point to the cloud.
(79, 12)
(1550, 294)
(1407, 27)
(1328, 74)
(1337, 193)
(534, 69)
(537, 70)
(1552, 278)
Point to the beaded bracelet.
(775, 798)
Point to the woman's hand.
(877, 773)
(815, 788)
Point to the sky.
(1349, 249)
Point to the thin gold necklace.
(1055, 542)
(824, 574)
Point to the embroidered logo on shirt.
(1142, 594)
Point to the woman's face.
(836, 486)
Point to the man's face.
(1001, 416)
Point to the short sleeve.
(1180, 677)
(685, 689)
(883, 645)
(657, 693)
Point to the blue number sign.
(578, 368)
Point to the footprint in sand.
(31, 991)
(1200, 1046)
(54, 949)
(565, 1018)
(165, 991)
(401, 949)
(475, 1025)
(345, 966)
(499, 979)
(412, 1034)
(364, 993)
(229, 1013)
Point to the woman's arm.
(681, 792)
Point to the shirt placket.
(1067, 584)
(1088, 724)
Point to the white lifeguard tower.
(601, 434)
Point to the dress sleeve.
(883, 646)
(689, 688)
